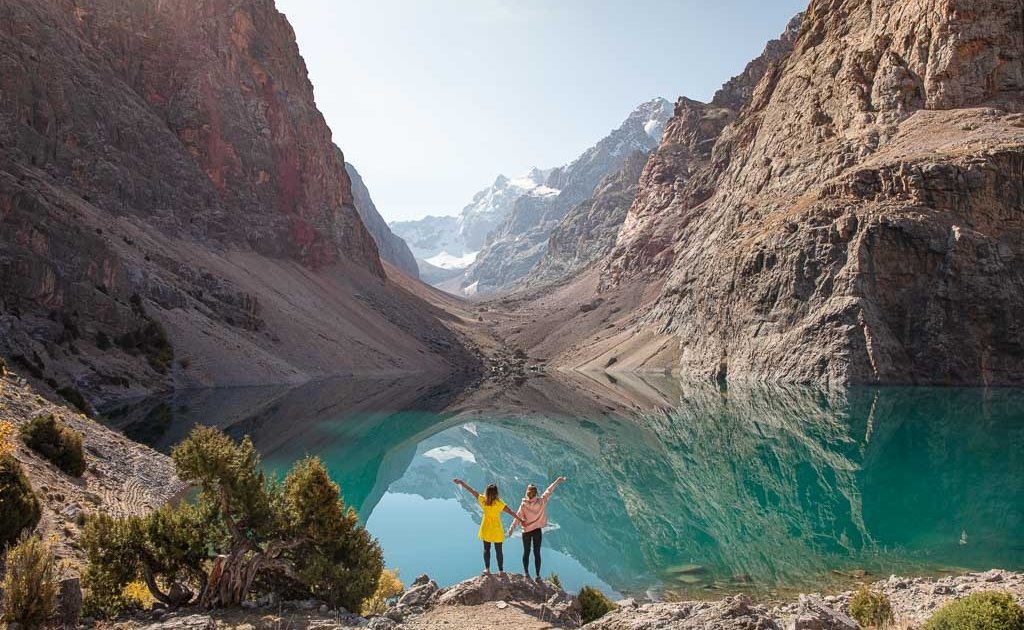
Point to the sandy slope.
(122, 479)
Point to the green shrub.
(979, 611)
(58, 443)
(593, 604)
(19, 507)
(870, 608)
(294, 538)
(149, 340)
(74, 397)
(30, 583)
(340, 563)
(555, 581)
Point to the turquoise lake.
(674, 488)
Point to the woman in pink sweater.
(533, 514)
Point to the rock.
(323, 608)
(732, 613)
(395, 614)
(69, 601)
(501, 604)
(381, 623)
(815, 614)
(189, 622)
(492, 588)
(421, 594)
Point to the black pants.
(532, 537)
(497, 552)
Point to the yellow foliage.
(137, 595)
(30, 583)
(390, 585)
(6, 437)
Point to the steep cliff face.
(861, 221)
(173, 209)
(392, 248)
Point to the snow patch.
(444, 260)
(443, 454)
(471, 289)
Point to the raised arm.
(551, 488)
(468, 487)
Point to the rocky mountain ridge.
(516, 245)
(858, 222)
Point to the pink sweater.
(534, 512)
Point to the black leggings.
(535, 537)
(497, 552)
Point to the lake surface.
(674, 488)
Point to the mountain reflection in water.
(674, 486)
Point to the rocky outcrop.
(518, 243)
(860, 221)
(731, 613)
(391, 247)
(173, 211)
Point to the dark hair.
(491, 494)
(531, 491)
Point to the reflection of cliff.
(769, 484)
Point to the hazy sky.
(431, 99)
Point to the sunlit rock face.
(860, 221)
(165, 162)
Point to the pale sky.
(431, 99)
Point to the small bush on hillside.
(870, 608)
(979, 611)
(74, 397)
(149, 340)
(102, 340)
(389, 586)
(19, 507)
(556, 581)
(593, 604)
(30, 583)
(58, 443)
(295, 538)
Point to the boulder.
(69, 601)
(492, 588)
(423, 593)
(731, 613)
(814, 614)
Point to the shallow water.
(675, 488)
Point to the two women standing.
(532, 515)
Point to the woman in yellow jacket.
(491, 530)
